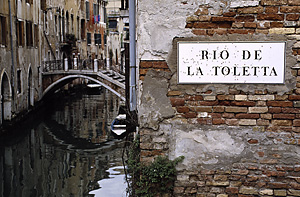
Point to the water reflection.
(64, 152)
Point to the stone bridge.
(58, 76)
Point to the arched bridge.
(54, 79)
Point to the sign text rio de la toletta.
(231, 62)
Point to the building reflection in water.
(63, 153)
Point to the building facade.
(38, 36)
(238, 138)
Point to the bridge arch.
(63, 81)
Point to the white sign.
(231, 62)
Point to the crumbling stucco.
(158, 22)
(221, 146)
(155, 105)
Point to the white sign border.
(230, 83)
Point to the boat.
(118, 126)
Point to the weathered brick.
(182, 109)
(293, 2)
(280, 192)
(225, 97)
(160, 64)
(241, 97)
(248, 190)
(295, 186)
(193, 98)
(270, 16)
(143, 71)
(290, 9)
(258, 109)
(247, 116)
(266, 116)
(218, 109)
(282, 122)
(272, 9)
(236, 109)
(202, 109)
(220, 177)
(244, 18)
(273, 2)
(261, 103)
(241, 31)
(208, 103)
(261, 122)
(250, 10)
(218, 121)
(280, 103)
(282, 31)
(215, 115)
(277, 185)
(284, 116)
(174, 93)
(276, 24)
(293, 192)
(232, 190)
(232, 122)
(296, 104)
(209, 98)
(268, 192)
(250, 25)
(292, 17)
(243, 103)
(275, 110)
(290, 110)
(199, 31)
(177, 102)
(247, 122)
(190, 115)
(253, 141)
(229, 14)
(294, 97)
(217, 183)
(261, 97)
(269, 161)
(221, 18)
(216, 31)
(179, 190)
(205, 25)
(237, 25)
(296, 123)
(281, 97)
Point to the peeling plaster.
(155, 105)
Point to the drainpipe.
(132, 55)
(12, 51)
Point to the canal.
(65, 149)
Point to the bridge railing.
(74, 64)
(52, 65)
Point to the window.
(97, 39)
(29, 38)
(29, 1)
(43, 5)
(36, 35)
(88, 38)
(82, 29)
(3, 31)
(19, 84)
(20, 33)
(112, 24)
(87, 6)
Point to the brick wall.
(268, 172)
